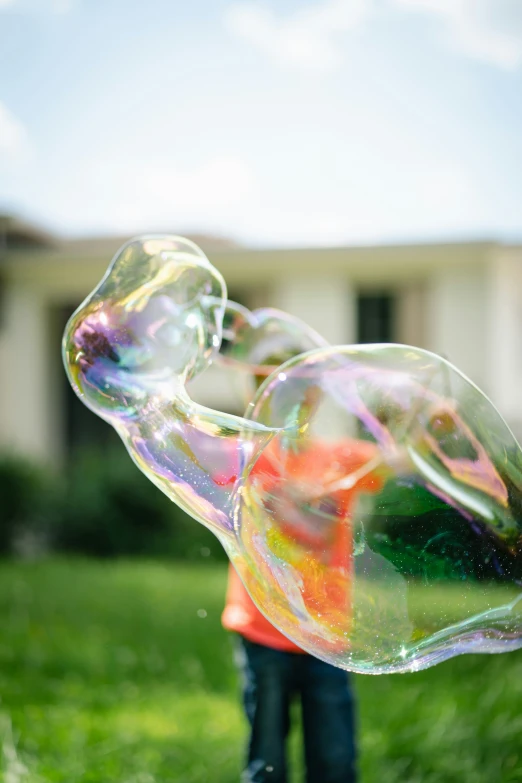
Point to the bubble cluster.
(371, 496)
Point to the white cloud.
(14, 139)
(45, 6)
(61, 6)
(310, 38)
(437, 199)
(126, 197)
(487, 30)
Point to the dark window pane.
(375, 318)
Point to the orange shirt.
(320, 465)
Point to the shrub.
(110, 508)
(101, 506)
(27, 501)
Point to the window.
(376, 318)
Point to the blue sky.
(276, 123)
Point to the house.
(462, 300)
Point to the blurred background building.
(461, 300)
(356, 150)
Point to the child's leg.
(328, 723)
(268, 683)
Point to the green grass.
(109, 674)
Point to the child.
(273, 668)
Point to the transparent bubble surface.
(371, 496)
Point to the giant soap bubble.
(371, 496)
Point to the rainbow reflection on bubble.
(371, 496)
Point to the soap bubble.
(252, 340)
(371, 496)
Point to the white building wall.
(4, 375)
(26, 421)
(327, 304)
(411, 320)
(457, 320)
(505, 332)
(220, 389)
(460, 306)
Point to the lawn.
(120, 672)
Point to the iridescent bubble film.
(371, 496)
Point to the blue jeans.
(271, 679)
